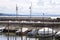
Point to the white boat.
(21, 31)
(46, 32)
(58, 34)
(2, 29)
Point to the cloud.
(38, 6)
(6, 6)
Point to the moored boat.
(33, 33)
(2, 29)
(22, 31)
(46, 32)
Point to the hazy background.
(49, 7)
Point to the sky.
(38, 6)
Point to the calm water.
(14, 37)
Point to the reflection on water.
(15, 37)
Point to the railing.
(29, 22)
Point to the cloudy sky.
(38, 6)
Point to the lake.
(15, 37)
